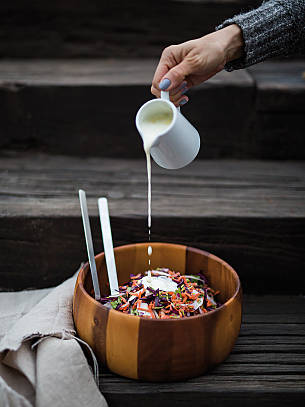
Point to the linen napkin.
(41, 362)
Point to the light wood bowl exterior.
(159, 350)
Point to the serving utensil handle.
(89, 243)
(108, 245)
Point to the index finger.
(161, 70)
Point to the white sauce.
(161, 282)
(151, 128)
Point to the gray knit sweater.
(276, 28)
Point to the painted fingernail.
(163, 85)
(183, 85)
(184, 90)
(183, 102)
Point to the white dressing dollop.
(162, 283)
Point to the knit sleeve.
(276, 28)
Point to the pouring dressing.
(169, 138)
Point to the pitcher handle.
(165, 96)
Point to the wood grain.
(90, 318)
(122, 344)
(240, 380)
(97, 72)
(185, 347)
(280, 86)
(239, 188)
(249, 213)
(96, 29)
(42, 108)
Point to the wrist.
(232, 41)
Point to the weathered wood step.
(250, 376)
(250, 213)
(61, 29)
(280, 109)
(88, 107)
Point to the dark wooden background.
(117, 28)
(73, 73)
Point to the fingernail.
(184, 90)
(183, 85)
(163, 85)
(183, 102)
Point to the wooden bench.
(107, 29)
(87, 108)
(250, 213)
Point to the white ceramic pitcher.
(179, 143)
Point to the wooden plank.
(209, 381)
(206, 188)
(280, 94)
(59, 29)
(183, 399)
(270, 340)
(291, 303)
(249, 369)
(42, 107)
(270, 132)
(269, 348)
(280, 309)
(261, 358)
(42, 243)
(280, 86)
(249, 213)
(79, 72)
(272, 329)
(100, 72)
(276, 318)
(268, 390)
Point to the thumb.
(174, 77)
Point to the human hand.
(193, 62)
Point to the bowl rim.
(81, 276)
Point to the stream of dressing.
(152, 127)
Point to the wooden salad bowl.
(159, 349)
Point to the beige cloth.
(53, 371)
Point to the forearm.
(276, 28)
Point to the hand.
(193, 62)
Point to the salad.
(164, 294)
